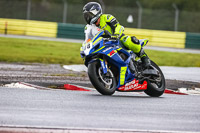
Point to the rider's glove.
(115, 36)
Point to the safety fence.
(159, 38)
(192, 40)
(41, 28)
(76, 31)
(29, 28)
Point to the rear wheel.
(104, 83)
(155, 84)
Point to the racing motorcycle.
(113, 68)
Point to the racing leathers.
(110, 24)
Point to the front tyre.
(155, 84)
(104, 83)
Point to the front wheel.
(155, 84)
(104, 83)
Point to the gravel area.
(55, 76)
(48, 75)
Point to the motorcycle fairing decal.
(112, 53)
(107, 49)
(97, 41)
(98, 49)
(133, 86)
(97, 36)
(122, 75)
(118, 49)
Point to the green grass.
(163, 58)
(32, 51)
(25, 50)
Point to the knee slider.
(135, 40)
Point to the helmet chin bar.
(93, 20)
(88, 16)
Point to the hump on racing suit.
(90, 32)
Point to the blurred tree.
(189, 5)
(157, 14)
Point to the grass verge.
(41, 51)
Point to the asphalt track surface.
(88, 109)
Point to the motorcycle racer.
(96, 21)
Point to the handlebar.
(107, 36)
(110, 39)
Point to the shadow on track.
(123, 96)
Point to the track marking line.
(184, 91)
(74, 88)
(168, 91)
(24, 85)
(38, 129)
(195, 91)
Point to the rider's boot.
(144, 58)
(131, 66)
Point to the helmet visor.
(88, 16)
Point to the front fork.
(104, 65)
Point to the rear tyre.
(104, 83)
(156, 85)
